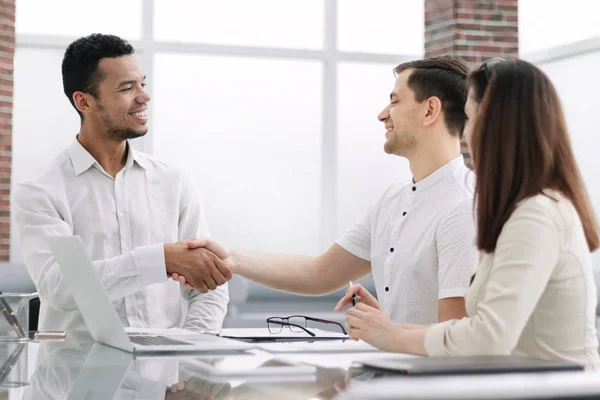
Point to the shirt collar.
(82, 160)
(440, 173)
(138, 157)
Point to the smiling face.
(400, 118)
(120, 107)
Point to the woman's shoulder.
(549, 204)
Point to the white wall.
(545, 24)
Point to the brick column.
(472, 29)
(7, 52)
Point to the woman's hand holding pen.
(362, 295)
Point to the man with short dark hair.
(127, 207)
(418, 241)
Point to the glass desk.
(77, 369)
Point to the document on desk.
(263, 335)
(328, 346)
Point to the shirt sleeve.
(524, 259)
(358, 239)
(38, 215)
(206, 311)
(457, 251)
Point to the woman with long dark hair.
(533, 293)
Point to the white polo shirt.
(420, 239)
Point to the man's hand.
(203, 270)
(210, 245)
(362, 295)
(374, 327)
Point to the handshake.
(200, 264)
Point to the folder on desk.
(467, 365)
(263, 335)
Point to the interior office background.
(271, 105)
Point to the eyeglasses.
(297, 323)
(487, 67)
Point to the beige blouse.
(534, 295)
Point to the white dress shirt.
(420, 239)
(534, 295)
(124, 223)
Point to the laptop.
(467, 365)
(101, 317)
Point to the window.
(79, 18)
(271, 23)
(249, 132)
(242, 117)
(381, 26)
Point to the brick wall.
(7, 51)
(472, 29)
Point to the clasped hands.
(201, 264)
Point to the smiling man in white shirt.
(418, 241)
(131, 210)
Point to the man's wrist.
(169, 249)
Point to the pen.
(10, 362)
(11, 318)
(353, 296)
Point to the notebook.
(467, 365)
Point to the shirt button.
(414, 188)
(121, 214)
(404, 213)
(391, 249)
(387, 289)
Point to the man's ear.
(433, 110)
(82, 101)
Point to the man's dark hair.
(80, 70)
(443, 77)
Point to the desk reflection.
(79, 369)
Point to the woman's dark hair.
(520, 146)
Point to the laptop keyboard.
(156, 341)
